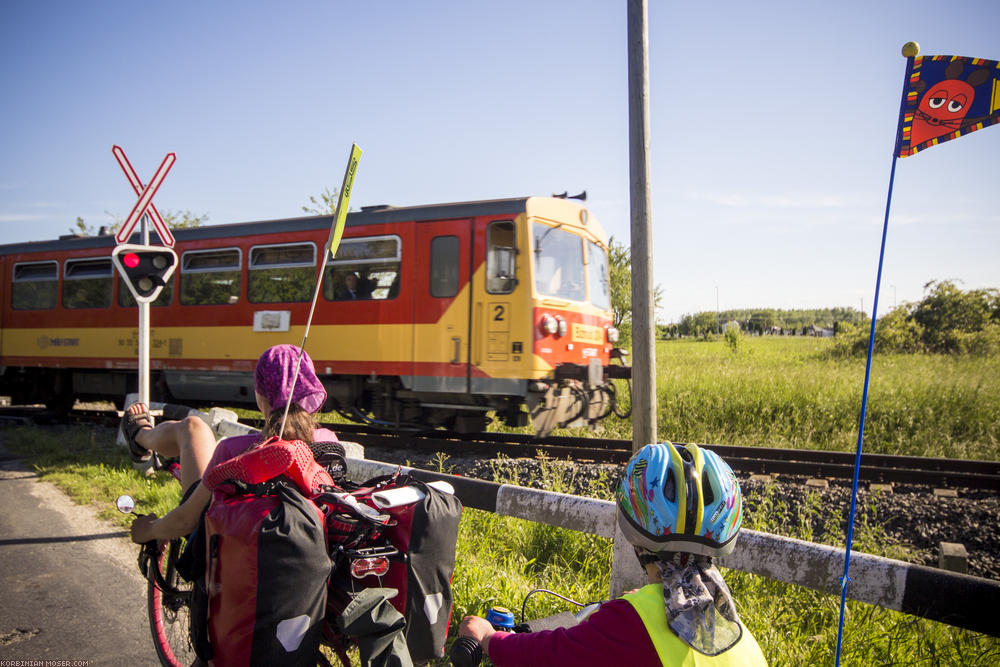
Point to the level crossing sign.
(144, 268)
(145, 203)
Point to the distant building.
(820, 332)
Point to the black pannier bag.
(267, 559)
(424, 533)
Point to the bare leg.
(190, 439)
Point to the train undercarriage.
(576, 396)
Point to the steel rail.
(883, 468)
(875, 468)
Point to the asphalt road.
(70, 591)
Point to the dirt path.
(70, 591)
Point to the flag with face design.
(947, 97)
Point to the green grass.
(501, 559)
(790, 392)
(88, 465)
(775, 392)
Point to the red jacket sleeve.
(613, 635)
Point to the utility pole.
(643, 340)
(718, 315)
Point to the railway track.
(875, 468)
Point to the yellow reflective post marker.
(332, 243)
(340, 215)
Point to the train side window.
(501, 257)
(281, 273)
(35, 286)
(210, 277)
(365, 268)
(87, 283)
(444, 266)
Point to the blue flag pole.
(844, 580)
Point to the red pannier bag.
(268, 564)
(424, 534)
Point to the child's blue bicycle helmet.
(682, 499)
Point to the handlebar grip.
(466, 652)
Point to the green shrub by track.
(500, 559)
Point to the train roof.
(368, 215)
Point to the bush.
(734, 337)
(946, 321)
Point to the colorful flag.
(947, 97)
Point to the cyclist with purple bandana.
(192, 441)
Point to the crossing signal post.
(145, 269)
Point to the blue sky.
(772, 126)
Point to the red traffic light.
(144, 269)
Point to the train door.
(441, 307)
(501, 314)
(4, 277)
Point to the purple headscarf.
(273, 379)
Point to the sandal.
(136, 418)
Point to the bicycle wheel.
(169, 609)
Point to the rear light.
(549, 325)
(362, 567)
(613, 335)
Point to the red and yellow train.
(429, 315)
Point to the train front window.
(210, 277)
(364, 269)
(87, 283)
(597, 276)
(559, 269)
(281, 273)
(35, 286)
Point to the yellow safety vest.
(673, 652)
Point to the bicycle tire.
(168, 602)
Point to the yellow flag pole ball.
(911, 50)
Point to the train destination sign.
(145, 203)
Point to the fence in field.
(940, 595)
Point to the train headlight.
(563, 327)
(613, 335)
(549, 325)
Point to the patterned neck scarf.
(700, 608)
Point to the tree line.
(947, 320)
(761, 321)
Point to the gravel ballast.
(910, 522)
